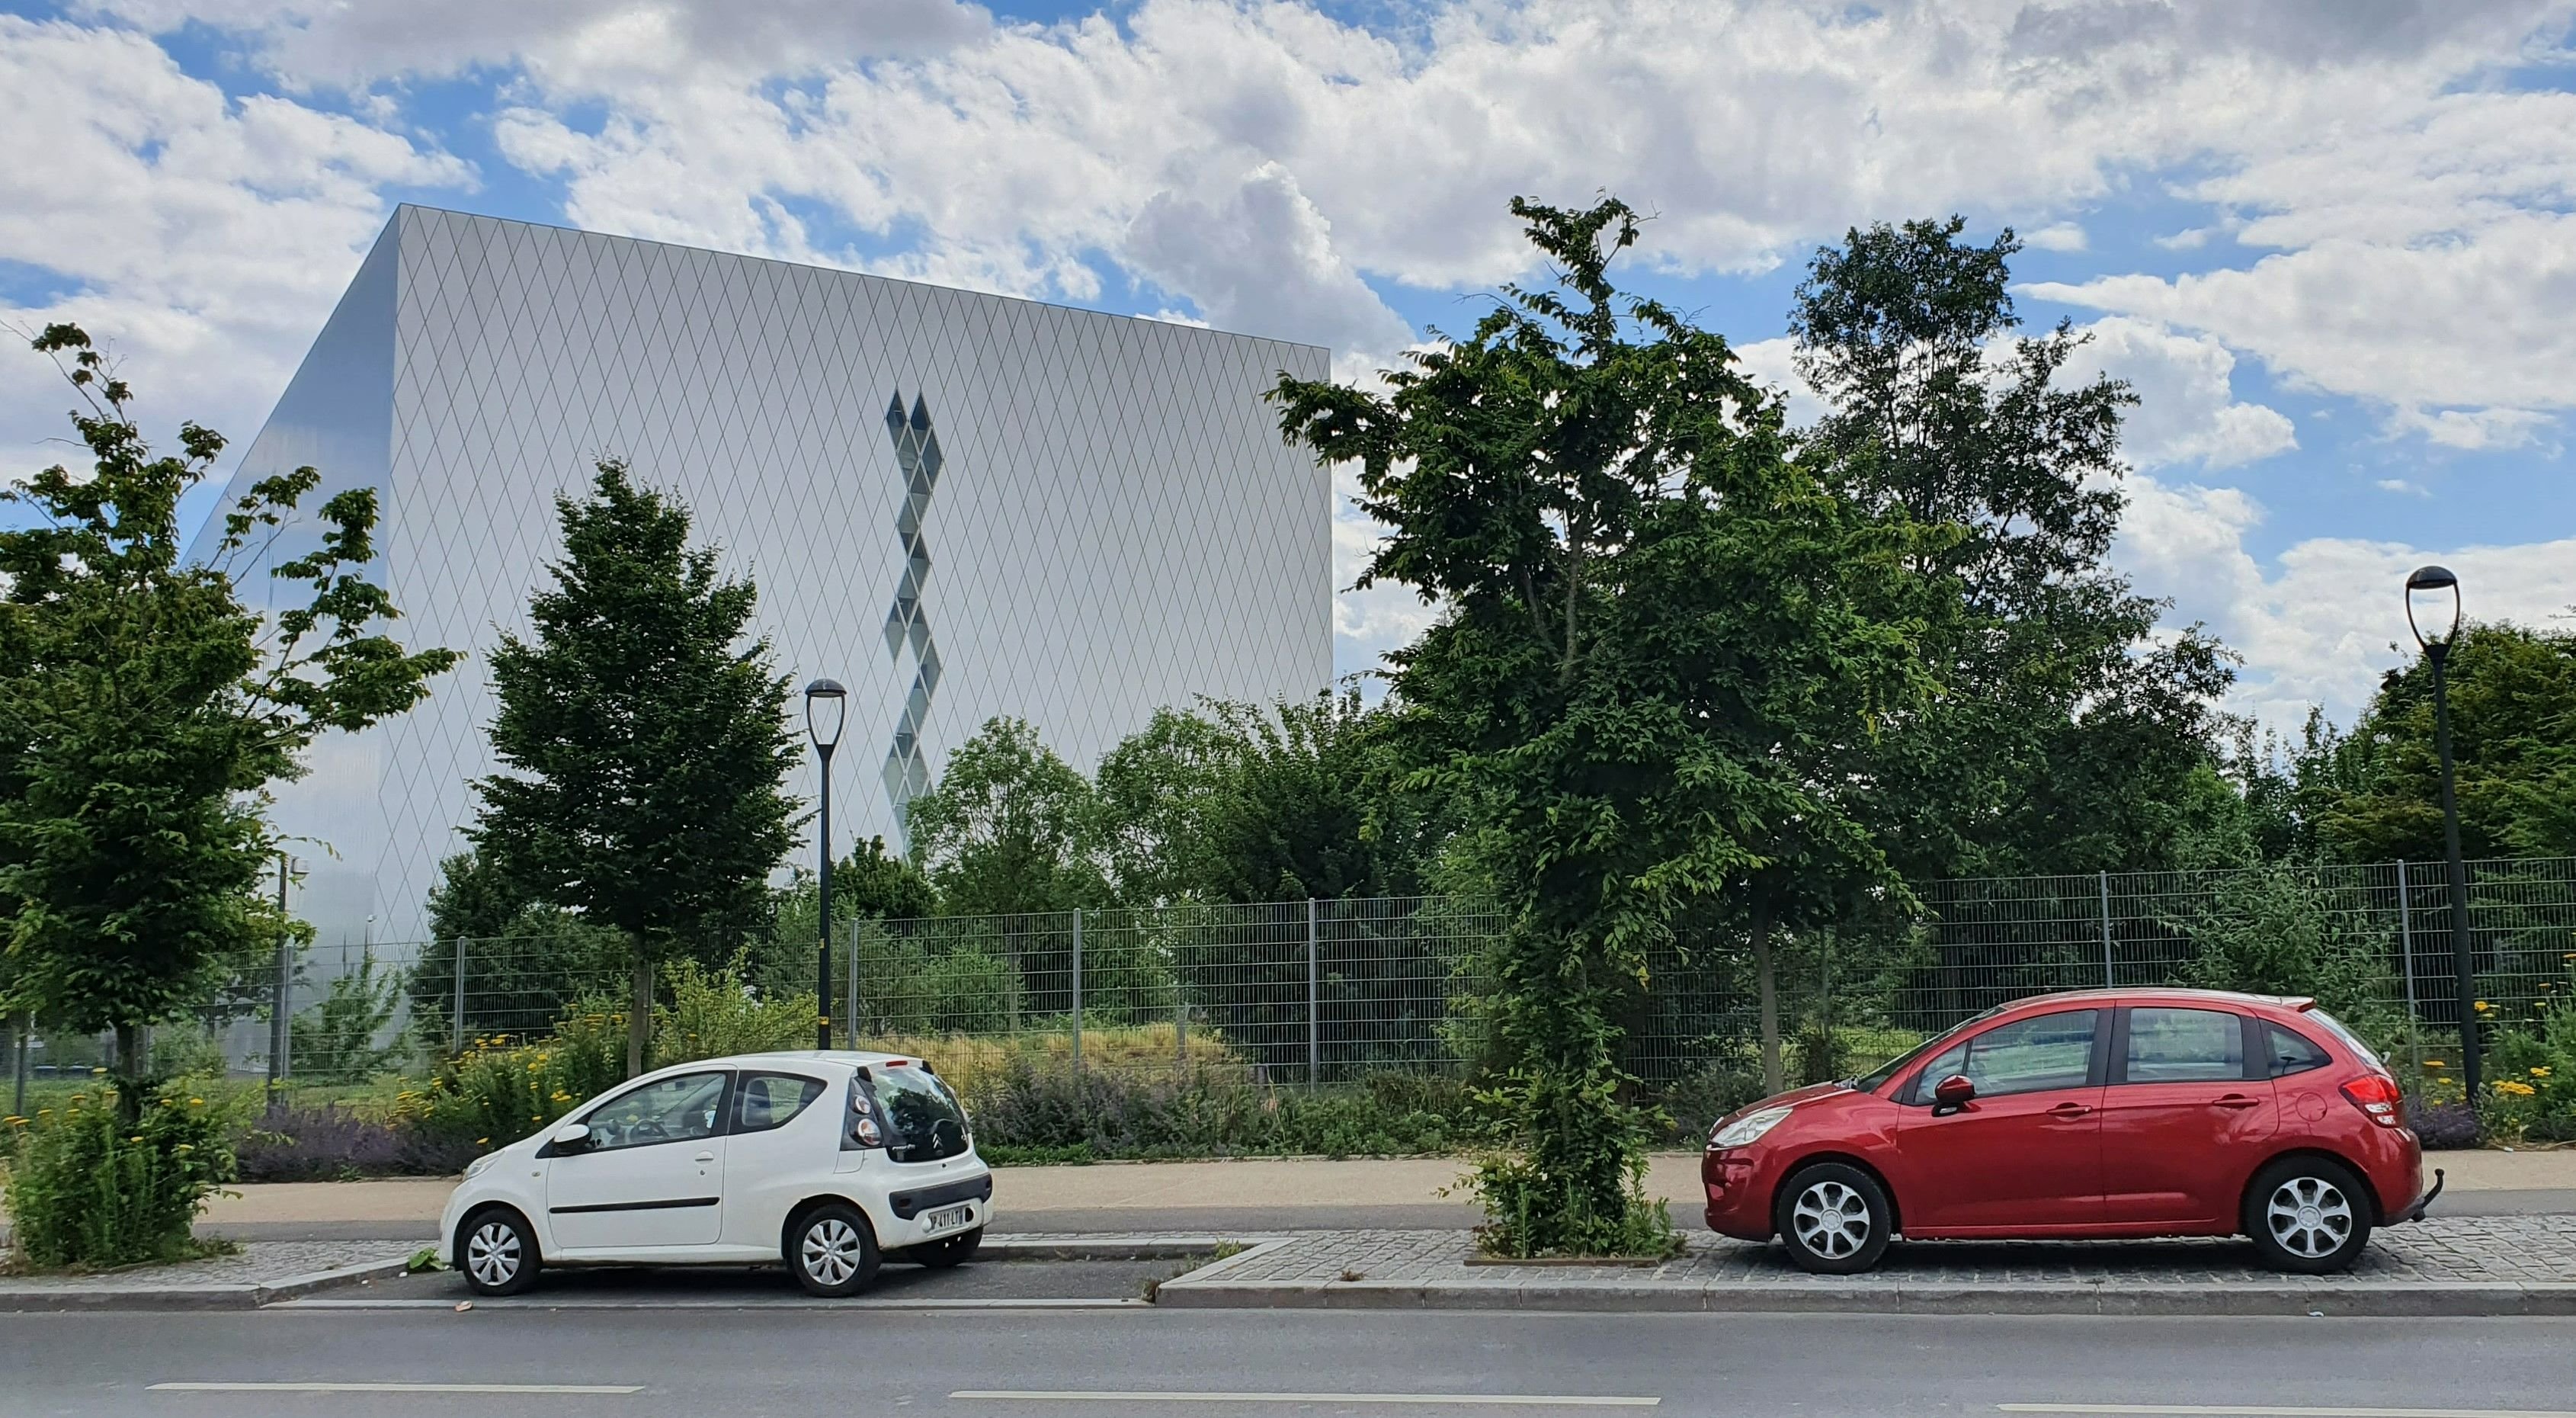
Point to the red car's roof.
(2164, 994)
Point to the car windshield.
(924, 1122)
(1877, 1078)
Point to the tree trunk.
(639, 1016)
(1769, 989)
(133, 1063)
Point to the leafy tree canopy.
(2374, 794)
(144, 710)
(644, 735)
(2064, 729)
(1657, 629)
(1009, 828)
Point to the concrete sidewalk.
(1165, 1195)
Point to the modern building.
(958, 505)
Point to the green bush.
(500, 1090)
(713, 1013)
(89, 1188)
(1053, 1113)
(335, 1040)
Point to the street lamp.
(826, 705)
(2429, 582)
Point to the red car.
(2099, 1113)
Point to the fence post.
(2107, 981)
(1077, 989)
(281, 1004)
(26, 1027)
(459, 1030)
(853, 1010)
(2406, 954)
(1180, 1026)
(1314, 1003)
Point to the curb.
(1153, 1247)
(1207, 1290)
(197, 1297)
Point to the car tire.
(1833, 1218)
(2308, 1215)
(496, 1252)
(832, 1251)
(948, 1252)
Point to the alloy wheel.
(2309, 1217)
(831, 1251)
(492, 1253)
(1832, 1219)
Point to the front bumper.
(1739, 1193)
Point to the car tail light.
(2377, 1095)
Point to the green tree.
(2375, 794)
(1009, 828)
(646, 741)
(872, 882)
(1239, 803)
(525, 961)
(2065, 727)
(1655, 626)
(145, 711)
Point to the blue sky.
(2331, 243)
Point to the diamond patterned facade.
(1118, 524)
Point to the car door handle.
(706, 1157)
(2235, 1100)
(2069, 1110)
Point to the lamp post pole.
(824, 698)
(2437, 651)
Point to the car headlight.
(1747, 1130)
(481, 1165)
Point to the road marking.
(1489, 1400)
(2240, 1410)
(392, 1388)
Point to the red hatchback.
(2100, 1113)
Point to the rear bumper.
(2414, 1211)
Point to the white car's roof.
(847, 1058)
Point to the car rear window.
(2350, 1040)
(924, 1121)
(2291, 1052)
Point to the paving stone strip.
(2481, 1265)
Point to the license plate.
(949, 1218)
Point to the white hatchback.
(828, 1161)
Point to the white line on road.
(392, 1388)
(1490, 1400)
(2241, 1410)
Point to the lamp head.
(2430, 582)
(826, 707)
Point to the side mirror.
(571, 1136)
(1952, 1093)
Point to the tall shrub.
(93, 1183)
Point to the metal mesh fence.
(1335, 990)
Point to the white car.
(828, 1161)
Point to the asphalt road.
(854, 1363)
(1258, 1220)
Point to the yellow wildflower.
(2483, 1006)
(2441, 1080)
(2514, 1088)
(196, 1102)
(2540, 1073)
(2435, 1063)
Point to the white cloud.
(2057, 236)
(594, 42)
(1262, 260)
(2186, 412)
(1775, 363)
(203, 239)
(2320, 624)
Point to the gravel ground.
(259, 1263)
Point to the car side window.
(2026, 1056)
(2184, 1046)
(678, 1109)
(762, 1101)
(2289, 1051)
